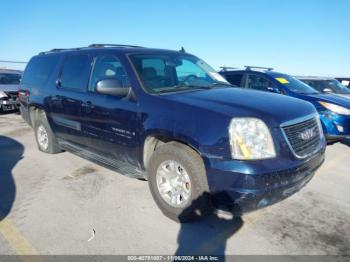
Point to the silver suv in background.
(9, 83)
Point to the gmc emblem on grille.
(307, 134)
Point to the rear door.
(70, 93)
(110, 122)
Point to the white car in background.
(9, 82)
(326, 85)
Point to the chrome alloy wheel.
(42, 136)
(174, 184)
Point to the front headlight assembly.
(250, 139)
(336, 109)
(2, 94)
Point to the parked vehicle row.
(9, 84)
(334, 109)
(170, 118)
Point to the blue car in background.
(334, 110)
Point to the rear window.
(234, 79)
(38, 70)
(74, 72)
(9, 79)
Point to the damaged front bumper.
(247, 192)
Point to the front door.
(110, 123)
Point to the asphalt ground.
(63, 204)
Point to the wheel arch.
(34, 111)
(152, 141)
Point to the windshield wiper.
(222, 84)
(180, 88)
(192, 87)
(303, 93)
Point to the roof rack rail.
(59, 50)
(114, 45)
(258, 67)
(225, 68)
(89, 46)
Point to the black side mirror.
(112, 86)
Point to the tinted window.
(259, 82)
(107, 66)
(235, 79)
(38, 70)
(9, 79)
(74, 72)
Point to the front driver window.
(174, 72)
(259, 83)
(107, 66)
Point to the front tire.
(45, 138)
(178, 182)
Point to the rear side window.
(74, 72)
(9, 79)
(234, 79)
(39, 70)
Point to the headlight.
(250, 139)
(2, 94)
(336, 109)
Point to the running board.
(121, 167)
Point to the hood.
(11, 88)
(239, 102)
(341, 100)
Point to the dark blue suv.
(168, 117)
(334, 110)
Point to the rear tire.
(45, 138)
(181, 164)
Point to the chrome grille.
(304, 137)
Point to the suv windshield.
(294, 85)
(333, 85)
(163, 73)
(9, 79)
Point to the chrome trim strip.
(66, 123)
(299, 120)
